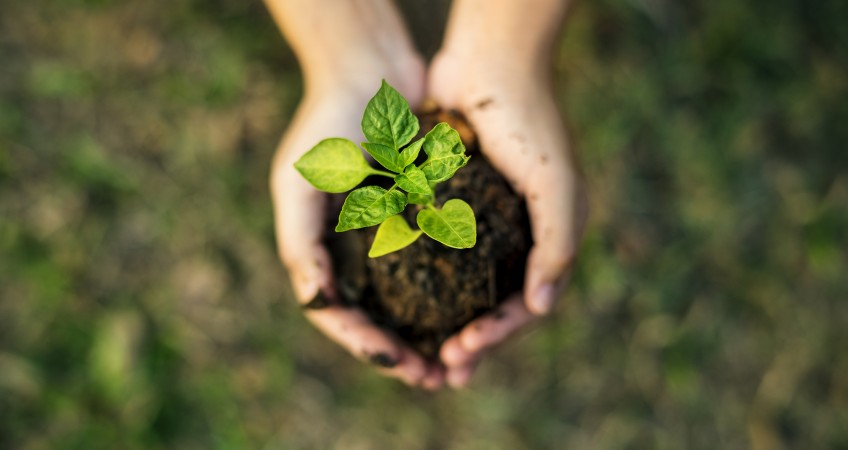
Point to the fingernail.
(543, 300)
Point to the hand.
(519, 128)
(299, 212)
(344, 49)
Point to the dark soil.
(426, 292)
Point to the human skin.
(345, 47)
(495, 67)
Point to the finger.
(558, 213)
(299, 225)
(491, 329)
(434, 379)
(458, 377)
(299, 208)
(540, 166)
(412, 369)
(453, 354)
(351, 329)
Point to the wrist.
(521, 34)
(487, 62)
(359, 75)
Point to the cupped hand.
(299, 211)
(521, 132)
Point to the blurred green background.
(142, 305)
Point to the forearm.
(338, 40)
(517, 31)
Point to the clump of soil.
(427, 291)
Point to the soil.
(427, 291)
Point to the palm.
(521, 133)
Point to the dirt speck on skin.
(485, 103)
(320, 301)
(427, 291)
(382, 360)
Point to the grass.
(142, 305)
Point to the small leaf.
(412, 180)
(334, 165)
(445, 151)
(410, 153)
(369, 206)
(387, 157)
(420, 199)
(394, 234)
(454, 225)
(388, 120)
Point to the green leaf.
(410, 153)
(334, 165)
(454, 225)
(394, 234)
(388, 120)
(387, 157)
(445, 151)
(412, 180)
(419, 199)
(369, 206)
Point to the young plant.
(337, 165)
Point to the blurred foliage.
(142, 305)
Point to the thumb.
(299, 220)
(557, 217)
(546, 277)
(311, 273)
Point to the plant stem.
(383, 173)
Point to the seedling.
(337, 165)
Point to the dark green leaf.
(369, 206)
(410, 153)
(387, 157)
(388, 120)
(420, 199)
(412, 180)
(445, 152)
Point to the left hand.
(521, 133)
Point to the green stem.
(383, 173)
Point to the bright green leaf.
(369, 206)
(412, 180)
(388, 120)
(410, 153)
(445, 152)
(454, 225)
(420, 199)
(387, 157)
(334, 165)
(392, 235)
